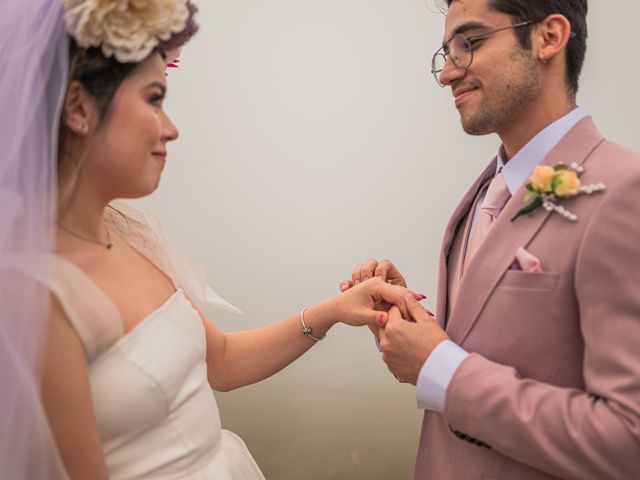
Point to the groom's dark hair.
(574, 10)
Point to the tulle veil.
(33, 77)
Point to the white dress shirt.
(438, 370)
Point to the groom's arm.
(588, 434)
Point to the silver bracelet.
(306, 331)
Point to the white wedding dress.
(157, 416)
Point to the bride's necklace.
(108, 245)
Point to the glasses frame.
(443, 51)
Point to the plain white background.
(312, 138)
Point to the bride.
(130, 359)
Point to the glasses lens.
(437, 64)
(460, 51)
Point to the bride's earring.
(542, 59)
(83, 127)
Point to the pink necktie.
(495, 199)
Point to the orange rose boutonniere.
(547, 185)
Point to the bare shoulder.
(66, 395)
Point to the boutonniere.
(548, 185)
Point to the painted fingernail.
(381, 319)
(422, 297)
(343, 287)
(430, 313)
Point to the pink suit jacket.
(552, 386)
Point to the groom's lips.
(462, 93)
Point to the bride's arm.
(66, 395)
(238, 359)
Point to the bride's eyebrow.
(162, 87)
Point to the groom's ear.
(551, 37)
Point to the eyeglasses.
(460, 49)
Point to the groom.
(532, 368)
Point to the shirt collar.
(518, 169)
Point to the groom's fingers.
(394, 315)
(364, 271)
(388, 272)
(355, 275)
(384, 270)
(368, 269)
(375, 329)
(345, 285)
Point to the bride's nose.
(169, 130)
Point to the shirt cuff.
(436, 374)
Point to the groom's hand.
(407, 345)
(372, 268)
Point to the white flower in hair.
(128, 30)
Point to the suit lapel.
(495, 256)
(456, 222)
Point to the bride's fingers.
(391, 294)
(368, 297)
(418, 312)
(418, 296)
(373, 319)
(395, 295)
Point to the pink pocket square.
(526, 262)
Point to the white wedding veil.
(33, 77)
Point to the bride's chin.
(140, 192)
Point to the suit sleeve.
(570, 433)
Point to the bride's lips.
(162, 156)
(462, 93)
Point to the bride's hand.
(368, 302)
(372, 268)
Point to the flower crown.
(129, 30)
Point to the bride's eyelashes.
(156, 92)
(157, 99)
